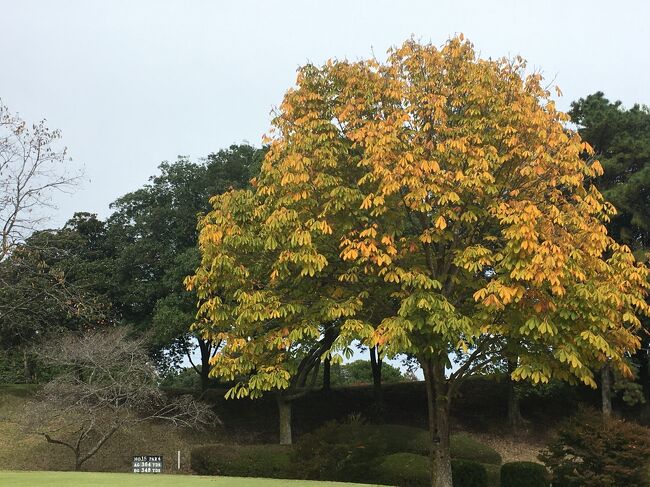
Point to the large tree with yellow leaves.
(431, 204)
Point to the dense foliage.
(360, 372)
(466, 473)
(403, 469)
(126, 269)
(524, 474)
(591, 451)
(39, 298)
(342, 452)
(465, 447)
(434, 203)
(360, 452)
(350, 451)
(154, 233)
(621, 141)
(270, 461)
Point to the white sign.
(148, 464)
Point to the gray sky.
(133, 83)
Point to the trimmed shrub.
(338, 451)
(592, 452)
(412, 470)
(466, 473)
(403, 469)
(465, 447)
(524, 474)
(272, 461)
(493, 474)
(349, 451)
(401, 439)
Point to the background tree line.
(128, 269)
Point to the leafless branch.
(107, 383)
(32, 168)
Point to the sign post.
(148, 464)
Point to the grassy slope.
(88, 479)
(19, 451)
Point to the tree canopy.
(155, 225)
(131, 266)
(32, 167)
(430, 204)
(360, 372)
(621, 141)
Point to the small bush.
(272, 461)
(467, 448)
(401, 439)
(524, 474)
(466, 473)
(338, 451)
(592, 452)
(403, 469)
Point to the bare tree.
(32, 167)
(106, 383)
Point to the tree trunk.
(284, 413)
(27, 367)
(646, 383)
(642, 357)
(515, 419)
(606, 390)
(204, 346)
(375, 364)
(438, 412)
(377, 391)
(327, 374)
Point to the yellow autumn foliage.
(432, 203)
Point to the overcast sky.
(133, 83)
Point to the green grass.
(97, 479)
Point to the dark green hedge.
(467, 448)
(466, 473)
(382, 454)
(412, 470)
(493, 474)
(337, 451)
(524, 474)
(403, 469)
(272, 461)
(400, 438)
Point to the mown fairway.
(96, 479)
